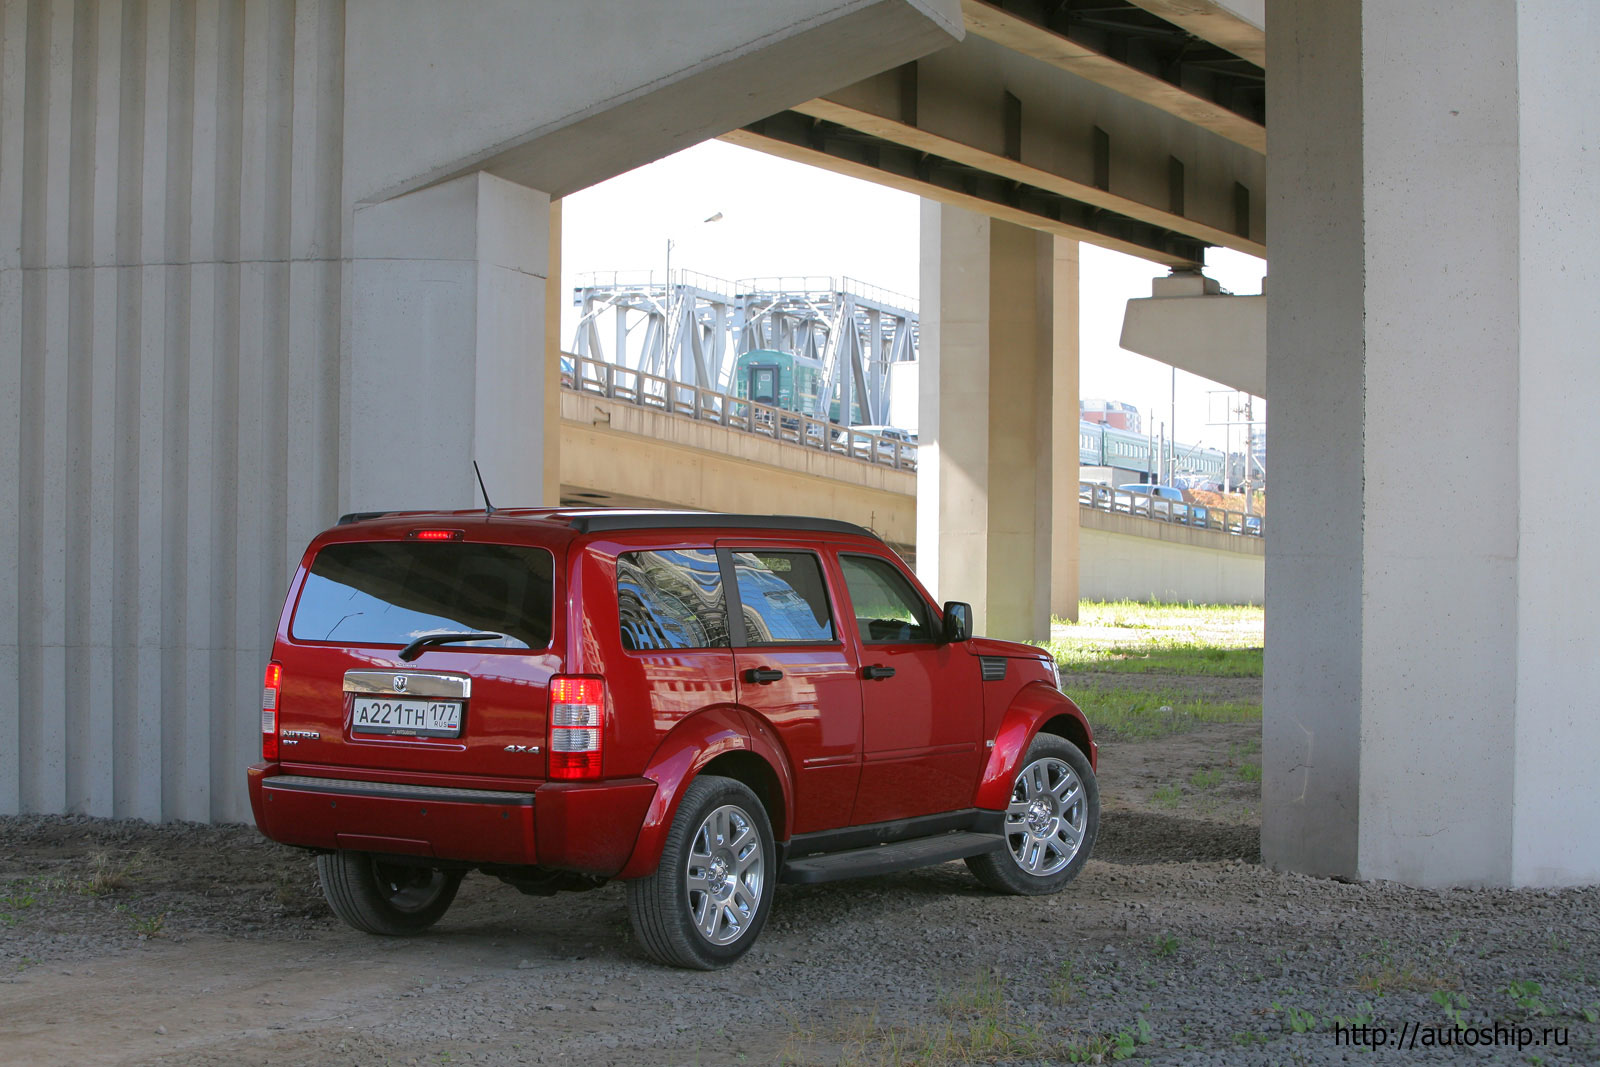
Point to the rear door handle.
(876, 673)
(762, 675)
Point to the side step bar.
(885, 859)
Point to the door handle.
(876, 673)
(762, 675)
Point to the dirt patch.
(126, 943)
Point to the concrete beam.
(911, 136)
(560, 96)
(1239, 25)
(1028, 38)
(1189, 323)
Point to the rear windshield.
(393, 592)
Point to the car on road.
(1162, 501)
(701, 705)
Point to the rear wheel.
(385, 898)
(1051, 822)
(708, 899)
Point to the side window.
(671, 600)
(888, 610)
(784, 599)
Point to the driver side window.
(888, 610)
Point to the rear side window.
(393, 592)
(671, 600)
(783, 598)
(888, 610)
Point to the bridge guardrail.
(1198, 516)
(600, 378)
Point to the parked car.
(701, 705)
(891, 440)
(1160, 501)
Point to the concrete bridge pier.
(1431, 633)
(448, 346)
(997, 475)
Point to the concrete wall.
(213, 303)
(1130, 558)
(170, 295)
(641, 455)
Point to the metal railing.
(1161, 509)
(599, 378)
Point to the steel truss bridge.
(694, 329)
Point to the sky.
(786, 218)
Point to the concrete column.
(550, 496)
(1430, 668)
(988, 467)
(1063, 424)
(448, 347)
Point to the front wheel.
(385, 898)
(1051, 822)
(706, 902)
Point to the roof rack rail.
(357, 516)
(646, 520)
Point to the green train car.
(793, 383)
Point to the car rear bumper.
(589, 827)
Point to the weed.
(108, 875)
(1557, 943)
(1591, 1013)
(1526, 996)
(148, 925)
(1064, 986)
(985, 995)
(1386, 977)
(1249, 1037)
(1249, 772)
(1164, 945)
(12, 903)
(1300, 1020)
(1363, 1017)
(1454, 1006)
(1206, 778)
(1168, 796)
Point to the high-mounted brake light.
(577, 709)
(437, 535)
(271, 686)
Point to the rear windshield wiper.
(414, 649)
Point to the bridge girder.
(1094, 129)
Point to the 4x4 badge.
(399, 683)
(532, 750)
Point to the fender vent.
(994, 667)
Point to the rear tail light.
(577, 709)
(271, 686)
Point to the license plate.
(411, 718)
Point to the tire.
(385, 898)
(1051, 822)
(708, 899)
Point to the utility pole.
(1172, 402)
(1249, 453)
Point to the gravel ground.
(126, 943)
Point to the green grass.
(1156, 657)
(1128, 637)
(1121, 715)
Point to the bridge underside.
(257, 271)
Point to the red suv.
(703, 705)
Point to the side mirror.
(957, 621)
